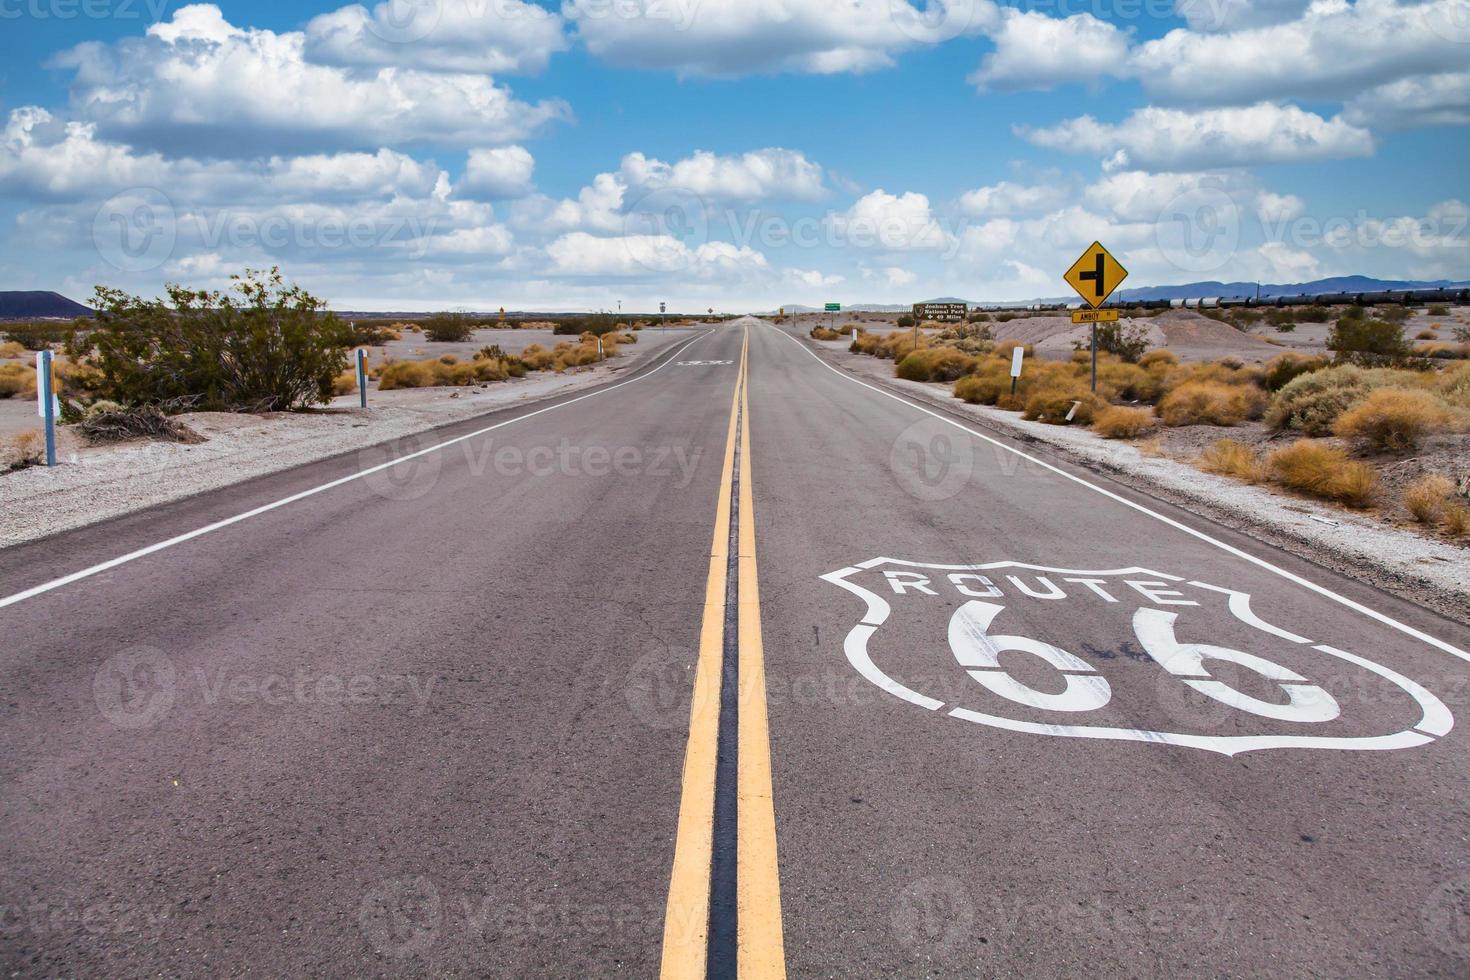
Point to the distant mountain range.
(1189, 290)
(18, 305)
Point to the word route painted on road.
(1072, 653)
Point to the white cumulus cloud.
(1154, 138)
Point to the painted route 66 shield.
(1129, 654)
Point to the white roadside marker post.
(46, 401)
(361, 378)
(600, 355)
(1016, 355)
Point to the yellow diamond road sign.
(1095, 275)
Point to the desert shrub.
(1426, 498)
(1243, 317)
(1284, 320)
(978, 318)
(1122, 337)
(537, 358)
(1053, 402)
(986, 387)
(823, 333)
(1004, 348)
(1393, 313)
(596, 325)
(17, 379)
(106, 421)
(1121, 422)
(1210, 403)
(1425, 335)
(934, 364)
(1311, 403)
(1158, 360)
(22, 450)
(345, 383)
(435, 372)
(1368, 343)
(1443, 351)
(890, 346)
(904, 321)
(1323, 471)
(366, 333)
(448, 328)
(1283, 368)
(490, 350)
(1313, 314)
(41, 334)
(1127, 382)
(1456, 519)
(1230, 457)
(1392, 418)
(1008, 317)
(11, 349)
(1438, 309)
(262, 346)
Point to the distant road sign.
(1094, 316)
(1095, 275)
(834, 307)
(940, 311)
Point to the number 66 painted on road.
(1087, 690)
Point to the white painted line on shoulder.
(276, 504)
(1192, 532)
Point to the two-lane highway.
(525, 703)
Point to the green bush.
(448, 328)
(1312, 402)
(267, 348)
(1283, 368)
(1128, 340)
(40, 334)
(1369, 343)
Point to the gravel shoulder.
(96, 483)
(1432, 573)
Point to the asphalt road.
(453, 716)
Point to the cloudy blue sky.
(427, 154)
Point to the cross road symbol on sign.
(1095, 275)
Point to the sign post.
(361, 378)
(1095, 275)
(833, 308)
(46, 400)
(661, 308)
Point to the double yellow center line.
(759, 949)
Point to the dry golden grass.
(1158, 360)
(345, 383)
(1426, 498)
(1211, 403)
(935, 364)
(1121, 422)
(11, 349)
(1456, 520)
(1230, 457)
(822, 333)
(17, 379)
(892, 346)
(23, 449)
(1324, 471)
(1053, 403)
(1393, 418)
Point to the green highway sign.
(834, 307)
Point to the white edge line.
(217, 525)
(1202, 536)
